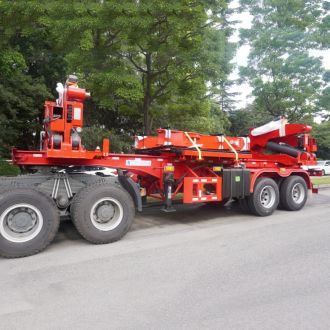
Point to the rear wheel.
(102, 213)
(29, 221)
(293, 193)
(265, 197)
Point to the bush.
(92, 137)
(8, 169)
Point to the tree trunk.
(147, 96)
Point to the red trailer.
(261, 171)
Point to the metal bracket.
(61, 176)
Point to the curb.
(322, 186)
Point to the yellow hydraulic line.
(231, 147)
(194, 145)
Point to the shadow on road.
(154, 217)
(196, 215)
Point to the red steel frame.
(192, 159)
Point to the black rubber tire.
(82, 206)
(287, 201)
(254, 199)
(10, 196)
(244, 205)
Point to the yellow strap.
(231, 147)
(194, 145)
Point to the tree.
(93, 136)
(147, 63)
(144, 57)
(285, 79)
(322, 38)
(21, 93)
(321, 133)
(223, 51)
(21, 99)
(244, 119)
(324, 101)
(220, 119)
(322, 32)
(226, 98)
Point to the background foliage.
(160, 63)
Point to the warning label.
(138, 162)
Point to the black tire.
(265, 197)
(29, 221)
(117, 207)
(293, 193)
(244, 205)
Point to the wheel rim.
(267, 197)
(21, 223)
(106, 214)
(298, 193)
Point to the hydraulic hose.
(283, 149)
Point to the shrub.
(8, 169)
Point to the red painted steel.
(174, 138)
(196, 191)
(192, 155)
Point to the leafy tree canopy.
(321, 133)
(285, 79)
(151, 58)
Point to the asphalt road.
(198, 268)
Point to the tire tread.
(53, 231)
(284, 193)
(79, 201)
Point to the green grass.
(8, 169)
(321, 180)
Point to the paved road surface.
(196, 269)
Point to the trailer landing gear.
(168, 182)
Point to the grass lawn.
(321, 179)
